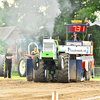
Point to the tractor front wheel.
(22, 66)
(41, 73)
(63, 75)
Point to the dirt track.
(20, 89)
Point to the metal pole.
(66, 34)
(30, 45)
(83, 36)
(93, 73)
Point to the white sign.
(73, 43)
(75, 49)
(84, 58)
(62, 48)
(79, 50)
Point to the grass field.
(96, 78)
(16, 76)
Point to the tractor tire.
(41, 74)
(36, 61)
(60, 62)
(63, 75)
(22, 66)
(2, 60)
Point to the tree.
(3, 46)
(95, 31)
(74, 9)
(8, 15)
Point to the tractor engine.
(49, 49)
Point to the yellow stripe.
(35, 52)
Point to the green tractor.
(49, 64)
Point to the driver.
(75, 37)
(35, 51)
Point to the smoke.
(34, 14)
(52, 12)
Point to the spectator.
(8, 62)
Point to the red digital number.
(76, 28)
(83, 28)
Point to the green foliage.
(8, 14)
(95, 31)
(60, 29)
(86, 13)
(0, 23)
(74, 9)
(3, 46)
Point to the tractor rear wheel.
(22, 66)
(63, 75)
(2, 60)
(41, 73)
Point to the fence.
(97, 71)
(14, 70)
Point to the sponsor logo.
(77, 50)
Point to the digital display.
(76, 28)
